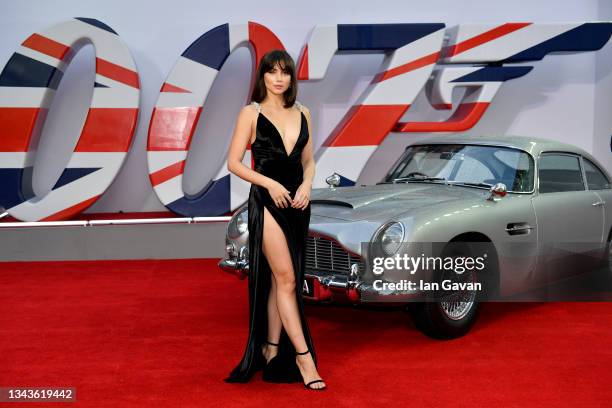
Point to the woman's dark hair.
(266, 64)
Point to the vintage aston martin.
(534, 210)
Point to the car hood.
(384, 201)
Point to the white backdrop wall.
(566, 97)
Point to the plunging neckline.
(281, 137)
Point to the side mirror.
(497, 192)
(333, 180)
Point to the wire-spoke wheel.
(457, 304)
(450, 313)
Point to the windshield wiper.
(418, 178)
(467, 183)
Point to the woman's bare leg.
(274, 242)
(274, 323)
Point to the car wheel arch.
(474, 236)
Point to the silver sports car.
(525, 211)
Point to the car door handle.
(598, 204)
(518, 228)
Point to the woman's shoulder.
(302, 108)
(248, 113)
(254, 106)
(250, 109)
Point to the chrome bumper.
(327, 285)
(356, 291)
(235, 266)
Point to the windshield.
(472, 165)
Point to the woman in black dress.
(278, 128)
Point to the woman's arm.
(308, 162)
(240, 140)
(302, 196)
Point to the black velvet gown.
(271, 159)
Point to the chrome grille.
(324, 254)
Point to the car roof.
(532, 145)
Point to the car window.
(596, 180)
(513, 158)
(428, 163)
(472, 169)
(517, 169)
(559, 172)
(462, 163)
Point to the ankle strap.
(306, 352)
(273, 344)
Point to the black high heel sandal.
(272, 344)
(308, 386)
(261, 362)
(281, 370)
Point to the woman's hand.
(280, 195)
(302, 196)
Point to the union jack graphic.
(178, 110)
(414, 55)
(27, 87)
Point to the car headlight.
(239, 224)
(390, 237)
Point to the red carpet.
(165, 334)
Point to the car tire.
(440, 320)
(432, 320)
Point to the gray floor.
(141, 241)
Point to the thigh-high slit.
(293, 223)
